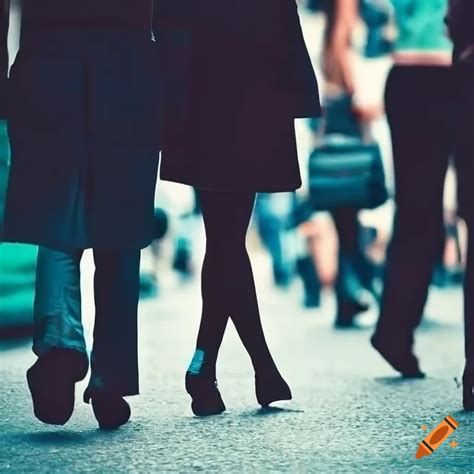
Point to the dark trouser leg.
(422, 135)
(227, 281)
(58, 336)
(57, 308)
(469, 298)
(115, 354)
(348, 284)
(465, 171)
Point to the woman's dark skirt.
(234, 84)
(83, 125)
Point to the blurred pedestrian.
(237, 74)
(82, 121)
(461, 28)
(345, 118)
(420, 109)
(273, 213)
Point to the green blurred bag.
(4, 170)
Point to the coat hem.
(63, 247)
(230, 189)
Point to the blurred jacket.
(460, 21)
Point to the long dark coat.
(83, 122)
(237, 74)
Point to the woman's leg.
(227, 282)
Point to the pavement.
(350, 412)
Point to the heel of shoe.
(110, 411)
(270, 389)
(206, 398)
(52, 380)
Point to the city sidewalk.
(350, 412)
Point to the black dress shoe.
(52, 380)
(207, 400)
(111, 411)
(311, 282)
(347, 312)
(271, 387)
(468, 388)
(399, 356)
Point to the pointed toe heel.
(270, 389)
(399, 356)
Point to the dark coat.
(237, 74)
(83, 127)
(82, 116)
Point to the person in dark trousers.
(422, 125)
(83, 125)
(421, 121)
(461, 28)
(236, 76)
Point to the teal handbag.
(4, 170)
(346, 172)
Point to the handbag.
(346, 172)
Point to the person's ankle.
(201, 366)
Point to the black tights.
(228, 288)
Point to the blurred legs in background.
(273, 212)
(355, 272)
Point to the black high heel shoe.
(347, 312)
(271, 387)
(348, 289)
(207, 400)
(399, 356)
(52, 380)
(468, 389)
(111, 411)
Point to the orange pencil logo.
(437, 437)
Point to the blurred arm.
(337, 58)
(460, 20)
(4, 23)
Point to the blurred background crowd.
(328, 242)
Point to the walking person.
(82, 121)
(237, 74)
(420, 109)
(342, 118)
(461, 29)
